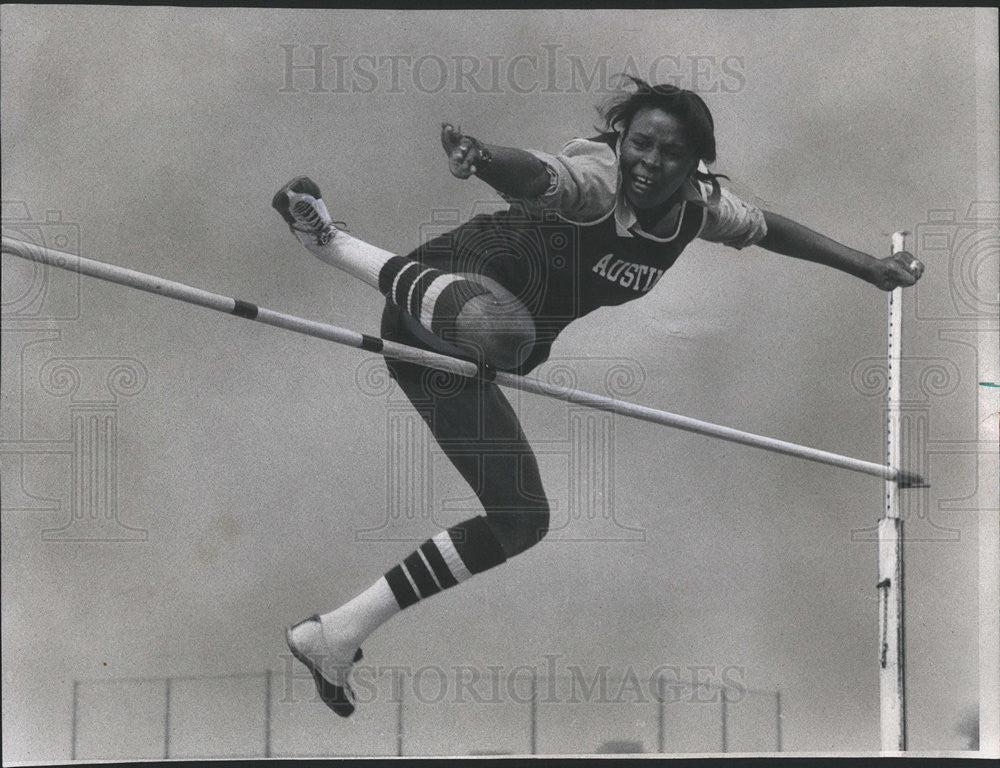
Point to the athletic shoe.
(333, 687)
(301, 205)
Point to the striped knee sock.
(447, 559)
(430, 296)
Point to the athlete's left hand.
(901, 270)
(463, 151)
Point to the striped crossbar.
(346, 337)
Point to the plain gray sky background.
(252, 457)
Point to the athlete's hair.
(687, 106)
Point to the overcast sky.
(255, 468)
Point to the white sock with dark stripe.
(356, 257)
(447, 559)
(432, 297)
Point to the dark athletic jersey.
(559, 269)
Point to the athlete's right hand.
(901, 270)
(462, 152)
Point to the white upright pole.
(890, 550)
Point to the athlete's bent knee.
(503, 333)
(519, 530)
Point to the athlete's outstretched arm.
(790, 238)
(512, 172)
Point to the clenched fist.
(465, 154)
(900, 270)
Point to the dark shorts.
(517, 253)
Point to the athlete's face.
(656, 158)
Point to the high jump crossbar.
(174, 290)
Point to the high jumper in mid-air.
(595, 225)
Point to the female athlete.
(596, 225)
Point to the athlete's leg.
(479, 431)
(470, 314)
(477, 428)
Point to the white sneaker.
(330, 667)
(301, 205)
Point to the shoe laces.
(307, 213)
